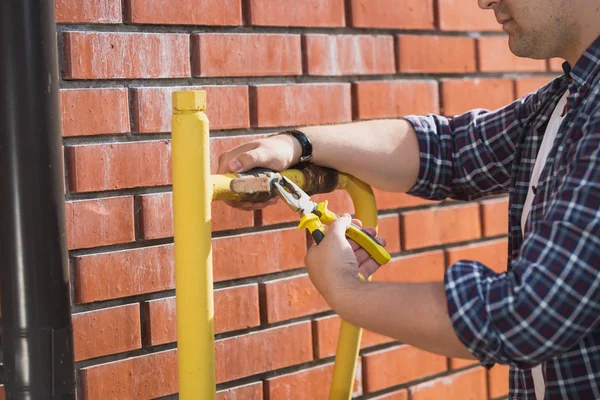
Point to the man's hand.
(334, 265)
(276, 153)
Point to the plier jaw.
(294, 196)
(315, 216)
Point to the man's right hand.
(276, 153)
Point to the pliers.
(315, 216)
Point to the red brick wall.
(331, 61)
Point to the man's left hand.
(334, 265)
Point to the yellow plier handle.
(314, 226)
(322, 215)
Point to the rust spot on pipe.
(320, 179)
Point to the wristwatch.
(305, 145)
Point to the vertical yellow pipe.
(350, 335)
(192, 195)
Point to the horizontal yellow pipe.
(221, 184)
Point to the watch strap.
(305, 145)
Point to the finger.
(248, 160)
(225, 158)
(250, 205)
(339, 226)
(355, 246)
(357, 222)
(368, 268)
(361, 255)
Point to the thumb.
(246, 161)
(339, 227)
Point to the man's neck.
(589, 32)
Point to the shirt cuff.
(424, 130)
(467, 309)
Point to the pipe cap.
(189, 100)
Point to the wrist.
(345, 289)
(301, 146)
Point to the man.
(541, 316)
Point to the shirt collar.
(586, 67)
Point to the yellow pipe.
(350, 335)
(221, 184)
(192, 194)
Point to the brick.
(144, 377)
(391, 200)
(94, 111)
(457, 363)
(99, 222)
(338, 202)
(107, 276)
(555, 65)
(235, 308)
(495, 56)
(182, 12)
(312, 383)
(469, 384)
(255, 254)
(156, 216)
(262, 351)
(326, 332)
(401, 394)
(249, 391)
(458, 15)
(290, 297)
(433, 227)
(92, 11)
(493, 254)
(349, 54)
(103, 55)
(308, 104)
(498, 381)
(215, 54)
(106, 331)
(389, 99)
(494, 217)
(225, 217)
(530, 85)
(462, 95)
(389, 228)
(112, 166)
(227, 107)
(317, 13)
(435, 54)
(395, 14)
(398, 365)
(421, 267)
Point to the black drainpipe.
(37, 332)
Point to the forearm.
(383, 153)
(413, 313)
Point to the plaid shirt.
(545, 309)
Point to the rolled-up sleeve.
(550, 299)
(470, 155)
